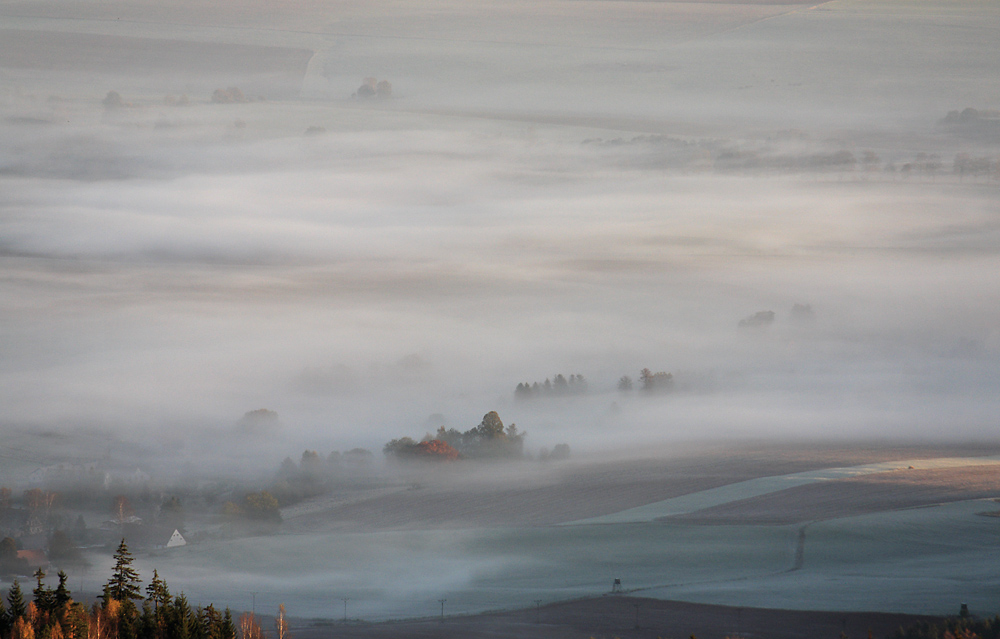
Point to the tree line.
(556, 387)
(122, 611)
(650, 382)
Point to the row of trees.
(489, 440)
(557, 387)
(650, 382)
(122, 613)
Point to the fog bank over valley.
(402, 300)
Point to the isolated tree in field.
(124, 583)
(625, 383)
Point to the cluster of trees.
(122, 613)
(660, 382)
(758, 319)
(743, 160)
(316, 474)
(966, 165)
(969, 115)
(230, 95)
(259, 507)
(374, 88)
(489, 440)
(557, 387)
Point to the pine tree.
(124, 583)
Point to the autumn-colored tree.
(22, 629)
(280, 623)
(249, 628)
(262, 506)
(121, 509)
(435, 450)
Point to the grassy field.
(914, 560)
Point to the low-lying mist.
(358, 281)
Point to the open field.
(610, 492)
(607, 617)
(856, 496)
(898, 559)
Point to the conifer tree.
(61, 596)
(76, 621)
(179, 619)
(228, 626)
(16, 600)
(157, 592)
(42, 594)
(124, 583)
(210, 623)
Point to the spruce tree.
(228, 626)
(42, 594)
(124, 582)
(62, 595)
(179, 620)
(157, 592)
(16, 600)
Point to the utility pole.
(538, 611)
(442, 608)
(253, 608)
(636, 615)
(345, 600)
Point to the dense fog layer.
(589, 188)
(377, 218)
